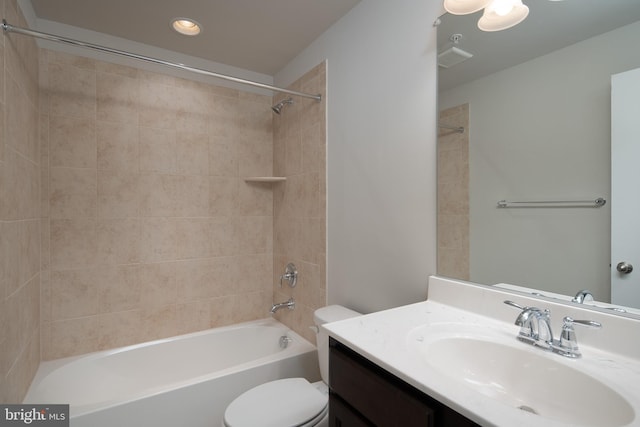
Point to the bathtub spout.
(291, 304)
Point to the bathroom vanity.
(364, 394)
(456, 360)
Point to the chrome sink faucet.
(535, 329)
(535, 325)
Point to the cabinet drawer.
(341, 414)
(379, 396)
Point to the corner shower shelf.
(265, 178)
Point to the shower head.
(280, 105)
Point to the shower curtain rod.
(8, 28)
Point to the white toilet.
(290, 402)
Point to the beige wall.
(152, 231)
(300, 202)
(453, 194)
(19, 211)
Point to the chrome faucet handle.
(568, 344)
(290, 275)
(514, 304)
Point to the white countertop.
(388, 339)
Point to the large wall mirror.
(528, 118)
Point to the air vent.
(452, 56)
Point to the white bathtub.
(186, 380)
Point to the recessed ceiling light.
(186, 26)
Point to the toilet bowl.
(290, 402)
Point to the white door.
(625, 188)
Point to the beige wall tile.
(2, 116)
(73, 193)
(73, 142)
(158, 239)
(117, 147)
(255, 157)
(223, 156)
(158, 323)
(28, 187)
(157, 150)
(204, 278)
(118, 288)
(221, 311)
(176, 240)
(21, 120)
(255, 199)
(116, 96)
(223, 236)
(72, 91)
(192, 196)
(223, 196)
(299, 224)
(118, 329)
(119, 240)
(29, 250)
(192, 154)
(73, 336)
(74, 293)
(11, 244)
(158, 285)
(194, 238)
(74, 243)
(118, 194)
(158, 195)
(194, 316)
(453, 195)
(20, 211)
(156, 105)
(254, 234)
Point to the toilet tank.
(330, 313)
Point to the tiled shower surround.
(124, 213)
(152, 229)
(453, 194)
(19, 211)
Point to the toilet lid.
(281, 403)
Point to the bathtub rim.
(301, 346)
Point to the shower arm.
(8, 28)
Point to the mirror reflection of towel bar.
(597, 203)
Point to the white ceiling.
(551, 25)
(256, 35)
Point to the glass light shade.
(185, 26)
(464, 7)
(502, 14)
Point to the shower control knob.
(624, 267)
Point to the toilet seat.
(291, 402)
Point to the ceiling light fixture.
(464, 7)
(502, 14)
(186, 26)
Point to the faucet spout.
(290, 304)
(535, 325)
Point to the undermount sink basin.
(524, 379)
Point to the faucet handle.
(290, 275)
(568, 340)
(516, 305)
